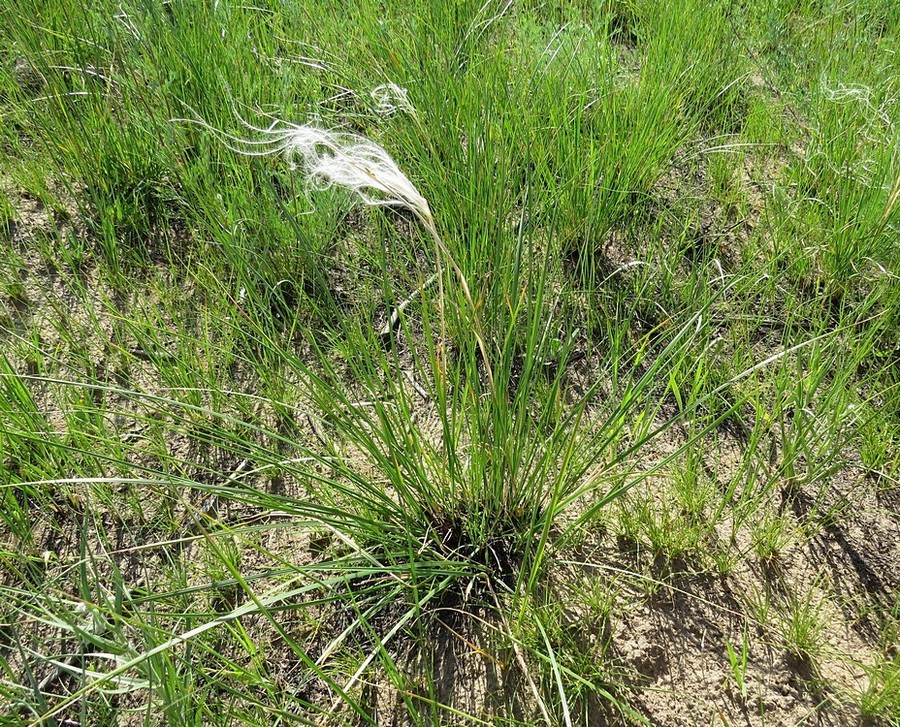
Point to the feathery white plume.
(334, 158)
(350, 161)
(390, 98)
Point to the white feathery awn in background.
(389, 98)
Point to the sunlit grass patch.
(283, 442)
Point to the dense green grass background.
(227, 499)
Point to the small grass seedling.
(737, 660)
